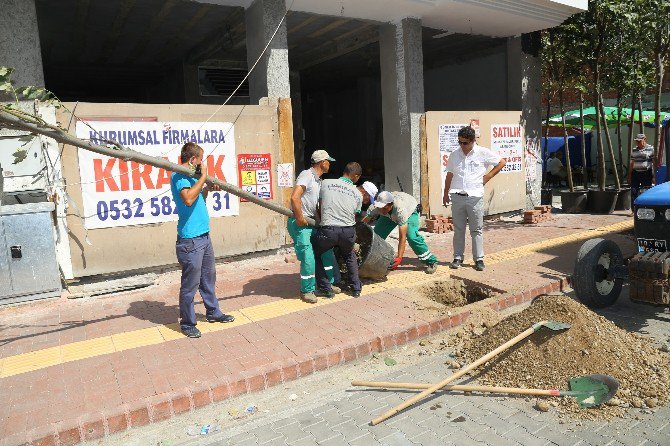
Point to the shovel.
(552, 325)
(590, 391)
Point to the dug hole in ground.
(545, 360)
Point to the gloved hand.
(395, 264)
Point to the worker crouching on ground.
(339, 201)
(195, 252)
(304, 201)
(400, 209)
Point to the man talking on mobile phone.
(195, 252)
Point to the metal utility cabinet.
(28, 265)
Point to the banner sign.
(256, 174)
(448, 142)
(119, 193)
(506, 140)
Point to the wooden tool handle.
(458, 387)
(463, 371)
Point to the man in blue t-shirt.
(195, 252)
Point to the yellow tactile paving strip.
(39, 359)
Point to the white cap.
(383, 199)
(371, 189)
(321, 155)
(640, 137)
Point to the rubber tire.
(584, 276)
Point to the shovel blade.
(593, 390)
(556, 326)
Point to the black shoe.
(457, 263)
(356, 293)
(430, 269)
(479, 265)
(327, 294)
(191, 332)
(222, 318)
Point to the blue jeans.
(198, 272)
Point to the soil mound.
(455, 292)
(592, 345)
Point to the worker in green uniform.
(400, 209)
(304, 202)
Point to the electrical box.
(28, 266)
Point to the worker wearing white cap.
(369, 192)
(304, 201)
(400, 209)
(641, 169)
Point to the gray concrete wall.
(270, 78)
(477, 84)
(402, 78)
(20, 42)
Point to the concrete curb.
(162, 407)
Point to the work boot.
(310, 298)
(328, 294)
(225, 318)
(431, 268)
(336, 289)
(190, 332)
(457, 263)
(479, 265)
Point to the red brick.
(69, 436)
(423, 329)
(45, 440)
(161, 410)
(387, 342)
(201, 398)
(435, 327)
(139, 416)
(348, 354)
(400, 338)
(362, 350)
(289, 372)
(273, 377)
(116, 423)
(238, 387)
(330, 359)
(181, 402)
(375, 345)
(93, 427)
(255, 382)
(306, 367)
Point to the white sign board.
(285, 174)
(507, 141)
(448, 142)
(118, 193)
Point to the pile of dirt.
(592, 345)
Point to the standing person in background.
(304, 201)
(641, 169)
(195, 252)
(339, 201)
(400, 209)
(464, 188)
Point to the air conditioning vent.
(222, 82)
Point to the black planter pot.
(602, 201)
(573, 202)
(623, 200)
(547, 197)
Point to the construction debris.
(538, 215)
(439, 224)
(548, 361)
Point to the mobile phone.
(198, 169)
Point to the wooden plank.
(332, 26)
(424, 189)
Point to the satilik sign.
(119, 193)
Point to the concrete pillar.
(298, 129)
(401, 63)
(524, 79)
(270, 78)
(20, 42)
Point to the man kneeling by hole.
(400, 209)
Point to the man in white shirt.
(555, 165)
(464, 188)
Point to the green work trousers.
(301, 236)
(385, 225)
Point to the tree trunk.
(631, 129)
(59, 135)
(568, 166)
(601, 105)
(660, 72)
(585, 172)
(618, 131)
(601, 150)
(639, 108)
(545, 152)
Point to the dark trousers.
(639, 180)
(344, 237)
(198, 272)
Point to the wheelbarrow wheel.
(592, 280)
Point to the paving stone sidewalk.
(78, 370)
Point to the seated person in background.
(555, 165)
